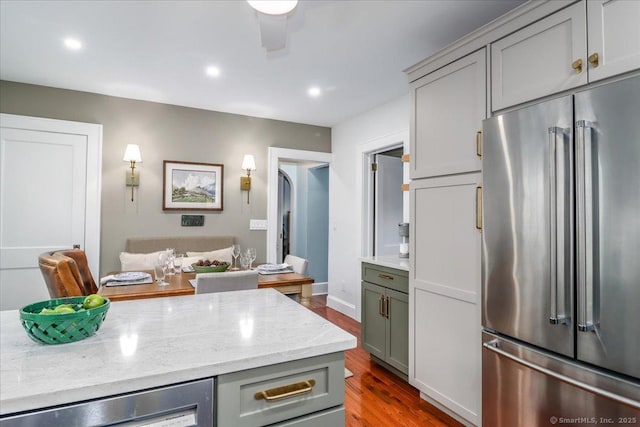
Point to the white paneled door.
(49, 199)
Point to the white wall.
(344, 206)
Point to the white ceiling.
(354, 51)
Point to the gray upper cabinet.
(545, 57)
(447, 109)
(613, 37)
(561, 51)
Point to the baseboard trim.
(389, 368)
(321, 288)
(341, 306)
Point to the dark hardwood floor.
(374, 396)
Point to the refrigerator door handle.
(561, 243)
(584, 161)
(494, 346)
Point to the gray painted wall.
(168, 132)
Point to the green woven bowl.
(65, 327)
(211, 268)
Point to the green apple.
(93, 301)
(64, 308)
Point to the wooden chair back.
(66, 273)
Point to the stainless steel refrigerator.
(561, 261)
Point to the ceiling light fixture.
(73, 44)
(273, 7)
(213, 71)
(314, 92)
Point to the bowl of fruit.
(206, 266)
(64, 320)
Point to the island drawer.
(333, 417)
(277, 393)
(384, 276)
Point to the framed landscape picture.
(192, 186)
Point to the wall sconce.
(249, 164)
(132, 155)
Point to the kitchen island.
(146, 344)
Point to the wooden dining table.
(178, 284)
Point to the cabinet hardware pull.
(285, 391)
(386, 311)
(385, 276)
(479, 144)
(479, 207)
(381, 305)
(594, 59)
(577, 65)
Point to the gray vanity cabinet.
(385, 316)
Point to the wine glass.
(171, 254)
(160, 269)
(245, 261)
(177, 263)
(251, 254)
(235, 252)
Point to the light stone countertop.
(391, 261)
(160, 341)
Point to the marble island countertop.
(159, 341)
(391, 261)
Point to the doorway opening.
(384, 204)
(304, 215)
(298, 210)
(284, 214)
(387, 198)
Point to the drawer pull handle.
(386, 307)
(285, 391)
(385, 276)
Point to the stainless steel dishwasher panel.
(179, 405)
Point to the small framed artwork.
(189, 186)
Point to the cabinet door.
(444, 289)
(398, 330)
(614, 35)
(447, 109)
(373, 322)
(449, 366)
(539, 59)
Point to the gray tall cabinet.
(540, 49)
(447, 107)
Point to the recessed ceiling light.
(213, 71)
(273, 7)
(73, 44)
(314, 92)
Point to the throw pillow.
(220, 255)
(133, 262)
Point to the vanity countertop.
(154, 342)
(391, 261)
